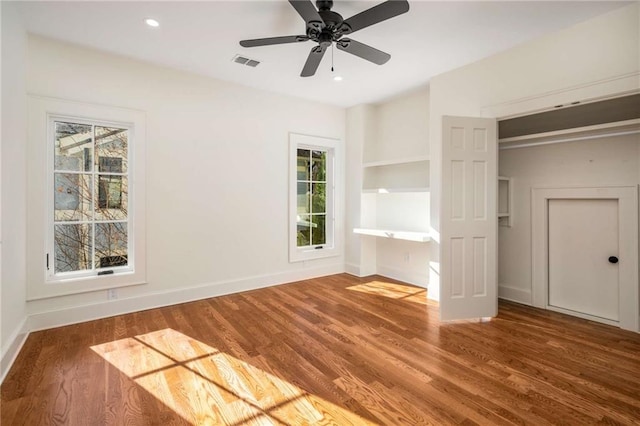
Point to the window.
(89, 221)
(312, 197)
(86, 198)
(311, 183)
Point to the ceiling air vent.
(245, 61)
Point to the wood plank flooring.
(337, 350)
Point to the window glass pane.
(303, 164)
(111, 149)
(304, 197)
(319, 166)
(304, 230)
(72, 197)
(318, 234)
(73, 147)
(111, 244)
(72, 247)
(319, 198)
(111, 200)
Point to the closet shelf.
(421, 237)
(416, 159)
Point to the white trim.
(353, 269)
(40, 109)
(583, 316)
(513, 294)
(607, 88)
(73, 315)
(11, 351)
(334, 182)
(627, 197)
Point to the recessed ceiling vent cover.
(245, 61)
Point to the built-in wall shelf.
(390, 175)
(421, 237)
(394, 190)
(505, 201)
(381, 163)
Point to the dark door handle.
(613, 259)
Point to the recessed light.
(337, 78)
(152, 22)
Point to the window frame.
(333, 159)
(50, 264)
(40, 195)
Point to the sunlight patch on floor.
(393, 291)
(206, 386)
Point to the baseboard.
(420, 279)
(9, 353)
(513, 294)
(352, 269)
(74, 315)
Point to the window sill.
(302, 255)
(69, 287)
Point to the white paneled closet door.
(584, 256)
(468, 219)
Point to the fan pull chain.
(331, 57)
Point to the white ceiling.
(202, 37)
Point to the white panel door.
(468, 218)
(583, 235)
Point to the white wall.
(217, 177)
(402, 132)
(13, 178)
(358, 130)
(581, 62)
(609, 161)
(397, 129)
(401, 127)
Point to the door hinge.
(47, 261)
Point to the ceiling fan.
(325, 27)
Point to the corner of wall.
(513, 294)
(12, 349)
(13, 316)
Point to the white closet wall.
(608, 161)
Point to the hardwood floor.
(335, 350)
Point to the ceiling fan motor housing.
(324, 4)
(334, 27)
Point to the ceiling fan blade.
(376, 14)
(313, 61)
(273, 40)
(363, 51)
(307, 10)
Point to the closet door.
(585, 253)
(584, 256)
(468, 219)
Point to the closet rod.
(574, 139)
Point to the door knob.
(613, 259)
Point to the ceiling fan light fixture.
(337, 78)
(152, 22)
